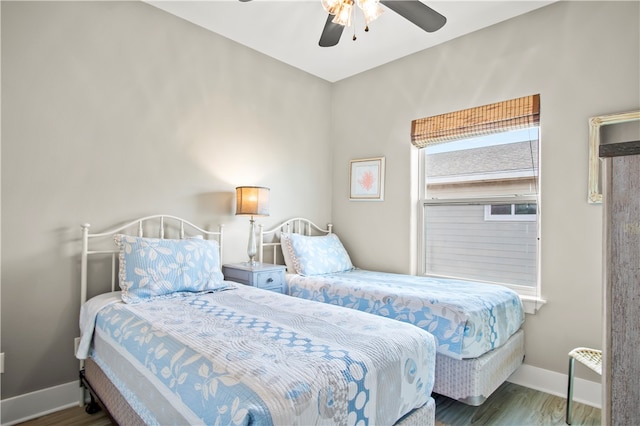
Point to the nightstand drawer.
(261, 275)
(268, 279)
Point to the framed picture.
(366, 179)
(595, 124)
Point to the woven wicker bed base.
(109, 396)
(423, 416)
(123, 414)
(471, 381)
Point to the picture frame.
(595, 162)
(366, 179)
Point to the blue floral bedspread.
(252, 357)
(467, 318)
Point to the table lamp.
(252, 201)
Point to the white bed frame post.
(83, 292)
(83, 263)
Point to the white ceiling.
(289, 30)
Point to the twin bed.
(177, 344)
(477, 326)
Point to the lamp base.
(251, 247)
(252, 264)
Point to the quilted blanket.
(252, 357)
(467, 318)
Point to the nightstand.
(262, 275)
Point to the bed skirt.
(471, 381)
(123, 414)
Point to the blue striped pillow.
(315, 255)
(154, 267)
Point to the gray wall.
(116, 110)
(583, 59)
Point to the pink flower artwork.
(367, 180)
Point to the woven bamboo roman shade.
(493, 118)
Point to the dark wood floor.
(510, 405)
(513, 405)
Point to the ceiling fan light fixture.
(371, 9)
(343, 14)
(331, 6)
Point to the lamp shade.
(252, 200)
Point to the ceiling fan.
(340, 16)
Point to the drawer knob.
(270, 280)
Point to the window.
(479, 207)
(511, 212)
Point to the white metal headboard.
(296, 225)
(150, 226)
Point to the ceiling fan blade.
(418, 13)
(330, 33)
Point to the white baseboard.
(39, 403)
(584, 391)
(35, 404)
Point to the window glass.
(529, 208)
(460, 243)
(481, 209)
(501, 209)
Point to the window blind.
(493, 118)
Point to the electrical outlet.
(76, 343)
(2, 363)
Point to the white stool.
(592, 358)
